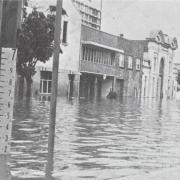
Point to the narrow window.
(83, 53)
(137, 64)
(86, 53)
(94, 55)
(130, 62)
(154, 64)
(121, 60)
(89, 54)
(112, 58)
(170, 67)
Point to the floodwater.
(103, 139)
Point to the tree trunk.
(28, 87)
(20, 86)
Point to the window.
(121, 60)
(83, 52)
(95, 12)
(98, 56)
(86, 54)
(46, 82)
(170, 67)
(64, 38)
(137, 64)
(130, 62)
(155, 61)
(153, 88)
(112, 58)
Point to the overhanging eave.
(102, 46)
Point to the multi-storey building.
(91, 15)
(69, 74)
(109, 62)
(93, 62)
(158, 79)
(69, 58)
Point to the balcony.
(97, 68)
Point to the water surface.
(96, 140)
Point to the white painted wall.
(156, 50)
(69, 60)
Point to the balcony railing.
(97, 68)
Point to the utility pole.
(52, 120)
(1, 10)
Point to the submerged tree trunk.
(20, 86)
(28, 87)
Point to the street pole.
(1, 10)
(101, 12)
(52, 120)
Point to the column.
(71, 85)
(95, 87)
(114, 84)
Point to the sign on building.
(7, 84)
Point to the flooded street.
(96, 140)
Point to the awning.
(102, 46)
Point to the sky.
(137, 18)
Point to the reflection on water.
(105, 139)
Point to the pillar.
(114, 84)
(71, 85)
(95, 87)
(1, 10)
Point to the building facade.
(90, 13)
(109, 63)
(158, 79)
(176, 73)
(68, 77)
(93, 62)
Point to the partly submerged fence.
(7, 84)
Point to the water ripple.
(96, 139)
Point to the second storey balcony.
(97, 68)
(98, 59)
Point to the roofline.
(102, 46)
